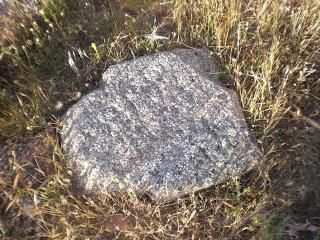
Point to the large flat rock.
(160, 124)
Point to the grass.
(269, 53)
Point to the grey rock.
(160, 124)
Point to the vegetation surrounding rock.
(268, 52)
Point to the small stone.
(160, 124)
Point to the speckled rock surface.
(160, 124)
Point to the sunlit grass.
(268, 47)
(268, 52)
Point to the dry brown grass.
(269, 48)
(269, 53)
